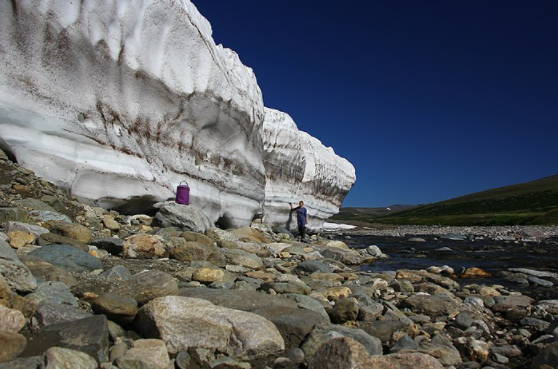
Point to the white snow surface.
(121, 100)
(337, 226)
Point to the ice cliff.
(119, 101)
(299, 167)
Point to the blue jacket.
(301, 215)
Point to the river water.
(492, 256)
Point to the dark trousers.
(301, 229)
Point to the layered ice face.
(119, 101)
(299, 167)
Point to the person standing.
(301, 217)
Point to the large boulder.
(184, 323)
(183, 217)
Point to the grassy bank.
(530, 203)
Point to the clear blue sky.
(429, 100)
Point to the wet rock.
(536, 273)
(376, 252)
(184, 322)
(540, 282)
(473, 272)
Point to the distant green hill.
(534, 202)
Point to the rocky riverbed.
(90, 288)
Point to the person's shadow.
(288, 224)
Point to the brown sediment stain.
(121, 53)
(15, 9)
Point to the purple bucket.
(183, 193)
